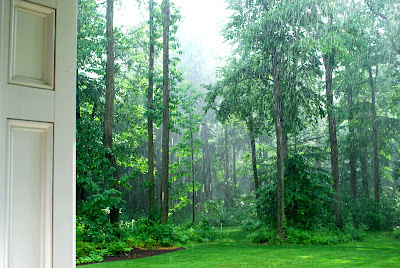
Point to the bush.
(88, 252)
(264, 236)
(117, 247)
(147, 233)
(308, 196)
(240, 211)
(322, 236)
(202, 232)
(396, 232)
(251, 225)
(382, 216)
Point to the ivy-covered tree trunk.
(375, 135)
(150, 144)
(280, 148)
(328, 61)
(353, 174)
(165, 139)
(109, 107)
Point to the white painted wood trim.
(46, 129)
(3, 128)
(49, 15)
(64, 132)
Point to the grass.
(379, 249)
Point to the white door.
(37, 133)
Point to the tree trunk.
(227, 175)
(353, 175)
(280, 148)
(234, 160)
(364, 170)
(165, 139)
(210, 178)
(375, 136)
(328, 59)
(254, 159)
(207, 163)
(204, 162)
(192, 166)
(150, 144)
(109, 107)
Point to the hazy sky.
(201, 23)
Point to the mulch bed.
(137, 253)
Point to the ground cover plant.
(146, 235)
(379, 249)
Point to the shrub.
(88, 252)
(382, 216)
(147, 233)
(308, 196)
(264, 235)
(202, 232)
(322, 236)
(251, 225)
(237, 214)
(117, 247)
(396, 232)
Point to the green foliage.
(94, 185)
(252, 225)
(321, 236)
(117, 247)
(382, 216)
(241, 210)
(396, 232)
(202, 232)
(87, 252)
(147, 233)
(308, 196)
(379, 249)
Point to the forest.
(292, 136)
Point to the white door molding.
(29, 193)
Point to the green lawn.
(379, 249)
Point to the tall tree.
(165, 137)
(328, 63)
(234, 175)
(375, 134)
(192, 166)
(353, 171)
(109, 108)
(227, 173)
(207, 175)
(280, 146)
(150, 144)
(253, 157)
(364, 170)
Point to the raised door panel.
(32, 41)
(29, 194)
